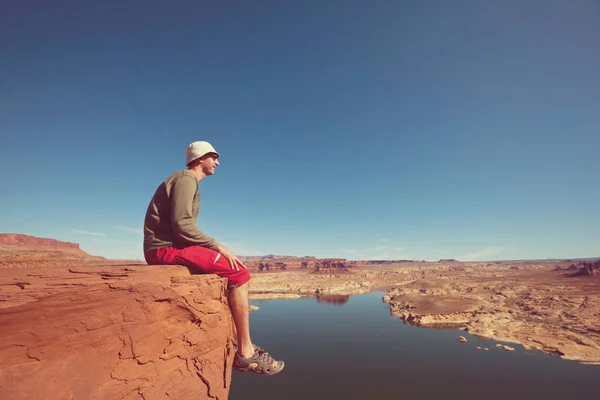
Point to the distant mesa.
(16, 244)
(268, 266)
(33, 242)
(329, 265)
(272, 263)
(448, 260)
(259, 258)
(379, 262)
(591, 269)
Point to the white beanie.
(198, 149)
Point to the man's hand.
(234, 262)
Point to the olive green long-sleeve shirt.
(172, 215)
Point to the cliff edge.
(118, 332)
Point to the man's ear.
(195, 162)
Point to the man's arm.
(182, 219)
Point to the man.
(172, 237)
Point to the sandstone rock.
(14, 245)
(531, 306)
(273, 263)
(114, 333)
(35, 243)
(504, 347)
(589, 269)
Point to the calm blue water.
(358, 351)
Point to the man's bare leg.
(238, 302)
(234, 332)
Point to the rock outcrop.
(16, 250)
(433, 310)
(113, 333)
(35, 243)
(273, 263)
(588, 269)
(541, 310)
(332, 264)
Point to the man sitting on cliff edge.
(172, 237)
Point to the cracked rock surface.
(113, 332)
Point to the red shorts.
(202, 259)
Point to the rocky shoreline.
(537, 305)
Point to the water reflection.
(338, 300)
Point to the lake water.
(356, 350)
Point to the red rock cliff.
(16, 243)
(17, 239)
(113, 333)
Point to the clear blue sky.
(358, 129)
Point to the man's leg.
(238, 302)
(211, 262)
(233, 325)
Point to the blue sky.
(356, 129)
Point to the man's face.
(209, 163)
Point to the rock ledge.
(113, 333)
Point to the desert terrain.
(552, 306)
